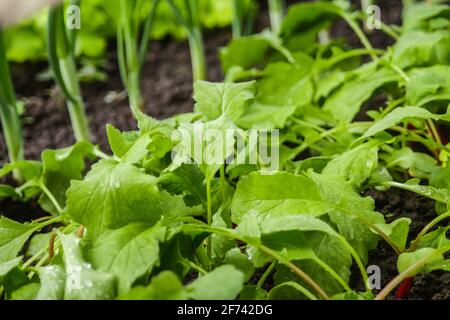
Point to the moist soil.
(167, 90)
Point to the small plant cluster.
(142, 221)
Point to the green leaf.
(241, 262)
(27, 292)
(418, 15)
(7, 266)
(346, 102)
(356, 165)
(13, 236)
(128, 253)
(29, 169)
(435, 239)
(119, 142)
(83, 282)
(285, 84)
(187, 180)
(216, 99)
(113, 195)
(60, 167)
(407, 159)
(321, 255)
(352, 214)
(206, 144)
(304, 16)
(353, 296)
(290, 290)
(397, 116)
(53, 281)
(419, 49)
(246, 52)
(165, 286)
(223, 283)
(397, 231)
(408, 259)
(280, 193)
(427, 82)
(282, 90)
(8, 192)
(38, 242)
(128, 146)
(440, 195)
(262, 116)
(251, 292)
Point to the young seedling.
(276, 12)
(243, 17)
(131, 50)
(9, 116)
(61, 43)
(190, 21)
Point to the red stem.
(404, 289)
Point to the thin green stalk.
(411, 270)
(43, 250)
(269, 252)
(132, 50)
(148, 26)
(434, 132)
(222, 182)
(305, 145)
(9, 117)
(194, 266)
(236, 24)
(191, 24)
(128, 59)
(265, 275)
(427, 228)
(76, 108)
(348, 55)
(197, 50)
(359, 33)
(209, 215)
(391, 106)
(372, 226)
(50, 195)
(62, 63)
(276, 12)
(334, 274)
(299, 272)
(243, 17)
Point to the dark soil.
(167, 90)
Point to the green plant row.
(145, 218)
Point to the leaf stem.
(50, 195)
(265, 275)
(276, 12)
(427, 228)
(197, 55)
(9, 117)
(407, 273)
(300, 273)
(358, 31)
(209, 215)
(271, 253)
(194, 266)
(334, 274)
